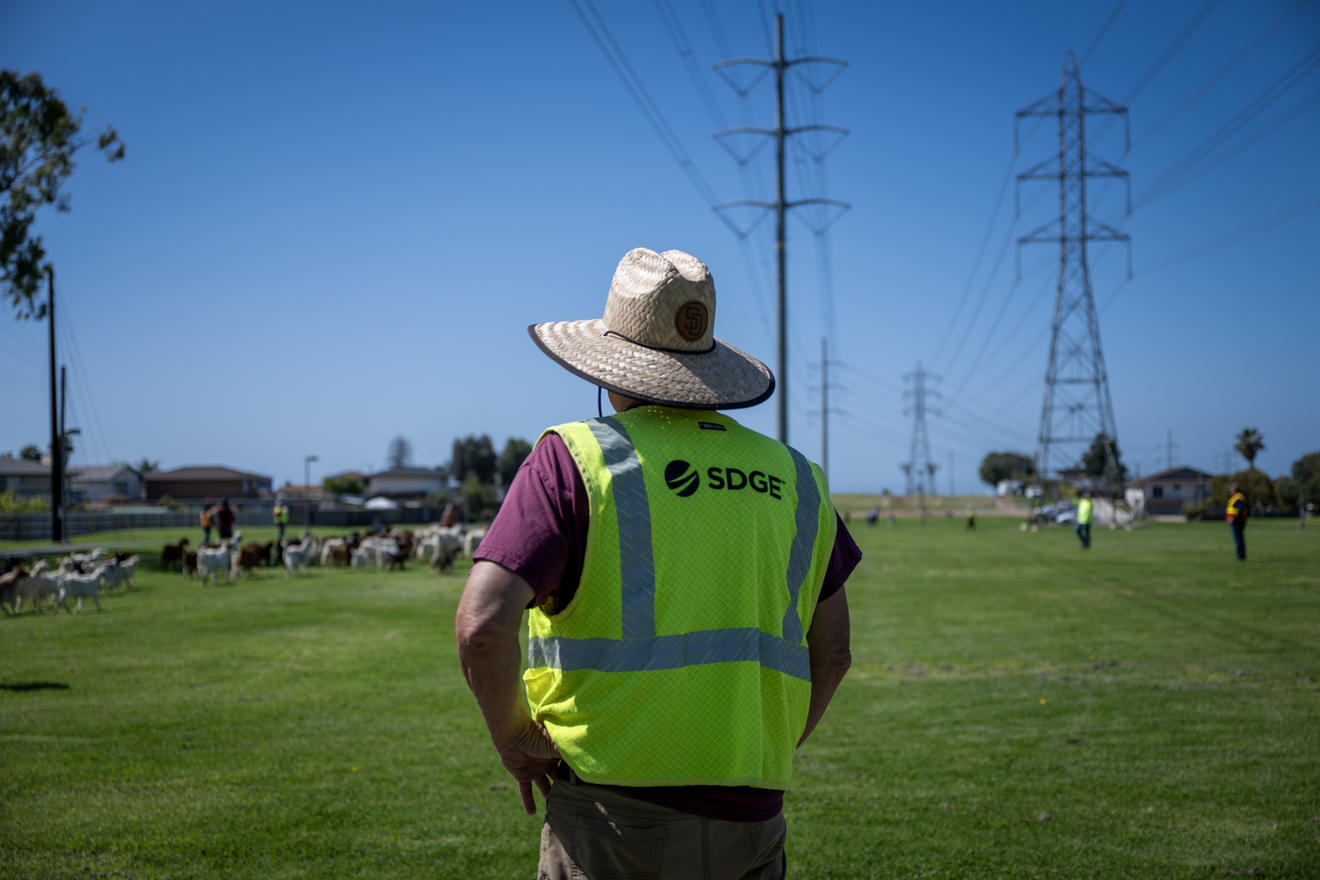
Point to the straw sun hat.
(656, 341)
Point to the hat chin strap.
(599, 411)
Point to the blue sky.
(335, 221)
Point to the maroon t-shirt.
(540, 535)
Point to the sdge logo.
(684, 479)
(681, 477)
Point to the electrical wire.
(1103, 30)
(1257, 105)
(1221, 72)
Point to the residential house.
(414, 483)
(101, 482)
(24, 477)
(207, 484)
(1168, 490)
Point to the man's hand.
(529, 759)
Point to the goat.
(361, 558)
(334, 550)
(127, 567)
(472, 540)
(9, 587)
(37, 584)
(188, 563)
(81, 585)
(247, 558)
(172, 554)
(295, 557)
(211, 561)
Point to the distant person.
(971, 519)
(208, 523)
(450, 517)
(872, 516)
(1236, 514)
(1085, 511)
(281, 516)
(377, 526)
(224, 520)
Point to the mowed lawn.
(1016, 708)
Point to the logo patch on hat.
(681, 477)
(690, 320)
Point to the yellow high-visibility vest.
(1084, 510)
(682, 657)
(1236, 501)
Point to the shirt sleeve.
(540, 532)
(843, 559)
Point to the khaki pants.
(596, 833)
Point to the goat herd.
(82, 575)
(78, 576)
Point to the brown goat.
(172, 554)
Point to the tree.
(473, 455)
(1249, 444)
(511, 458)
(400, 452)
(475, 497)
(343, 485)
(31, 452)
(1258, 488)
(999, 466)
(1095, 461)
(146, 466)
(1306, 472)
(39, 138)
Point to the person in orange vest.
(208, 521)
(1236, 514)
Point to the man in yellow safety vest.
(682, 578)
(1085, 513)
(1236, 514)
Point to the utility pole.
(1169, 447)
(56, 437)
(781, 204)
(825, 407)
(919, 461)
(1077, 405)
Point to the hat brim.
(721, 378)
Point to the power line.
(1221, 72)
(1103, 30)
(1257, 105)
(618, 60)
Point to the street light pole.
(307, 489)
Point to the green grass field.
(1016, 708)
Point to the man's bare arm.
(828, 646)
(486, 627)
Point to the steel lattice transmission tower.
(919, 463)
(1077, 405)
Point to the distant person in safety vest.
(678, 658)
(1085, 513)
(281, 516)
(208, 523)
(1236, 514)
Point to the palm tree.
(1249, 444)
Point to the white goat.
(472, 540)
(361, 558)
(38, 584)
(295, 556)
(213, 560)
(82, 586)
(127, 567)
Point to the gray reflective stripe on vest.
(641, 649)
(804, 542)
(634, 516)
(671, 652)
